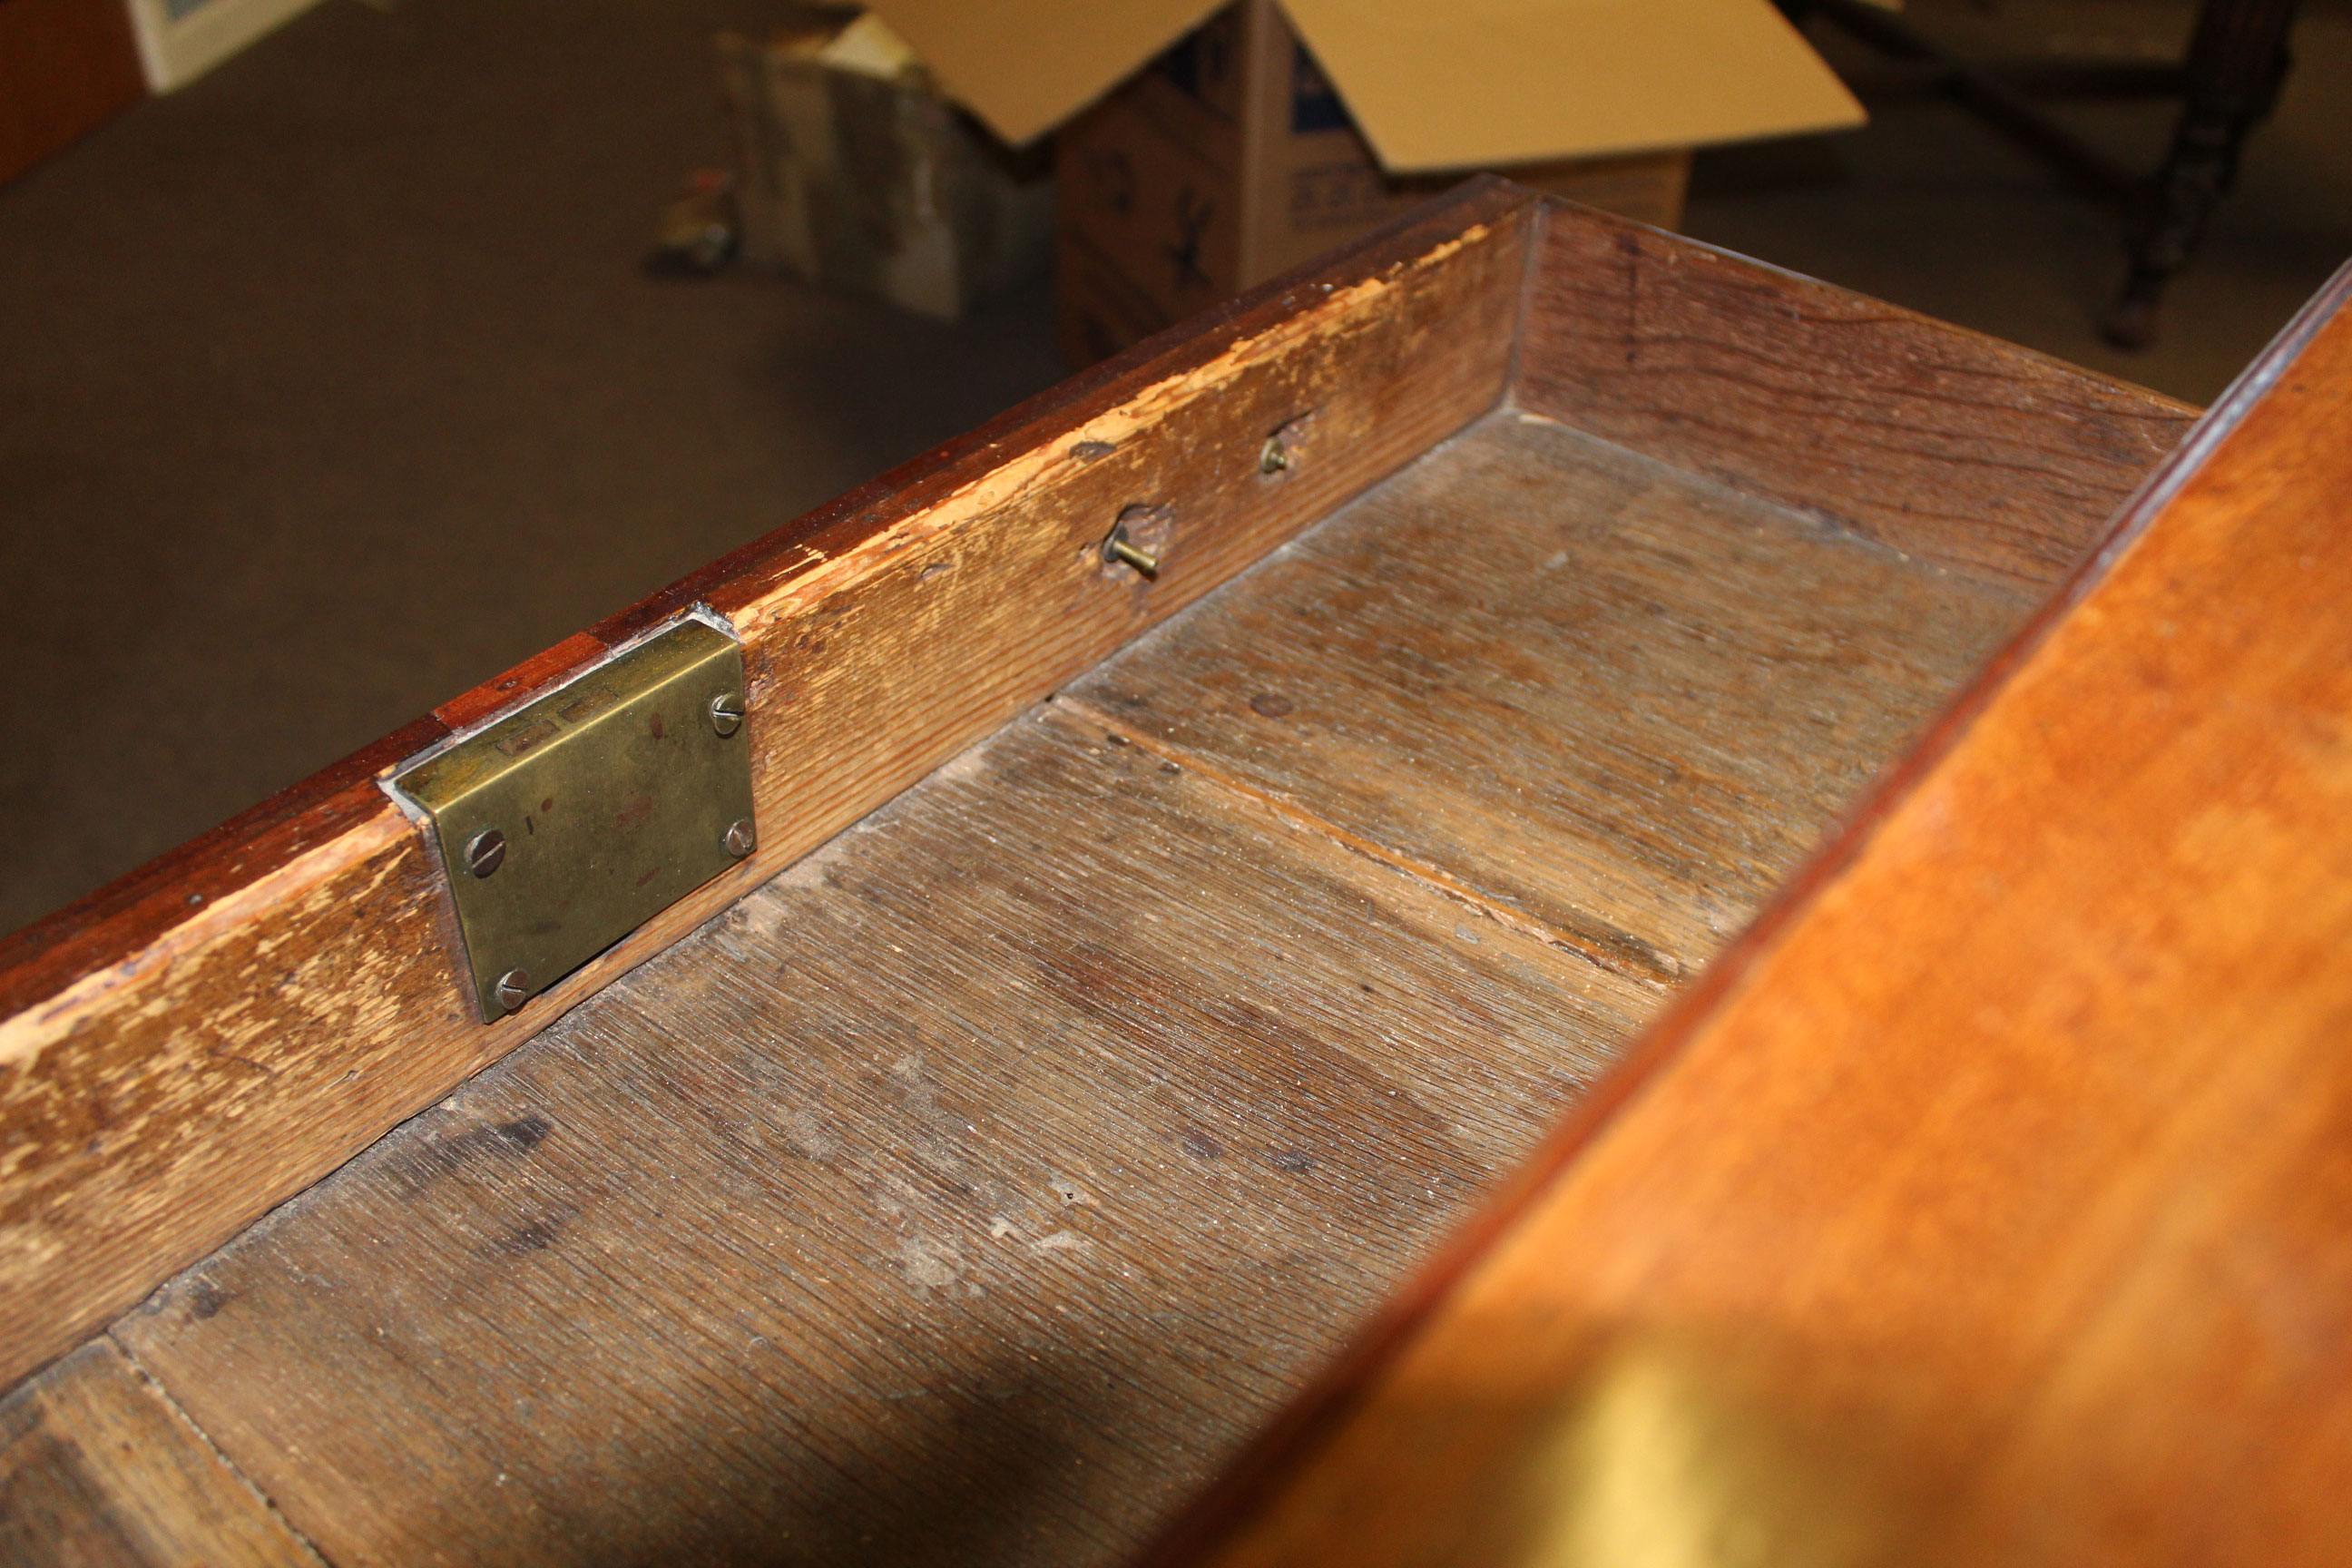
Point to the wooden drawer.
(1139, 977)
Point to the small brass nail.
(1274, 457)
(1118, 548)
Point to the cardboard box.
(1232, 159)
(179, 40)
(1256, 136)
(854, 171)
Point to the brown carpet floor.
(330, 384)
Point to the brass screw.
(485, 852)
(727, 712)
(1274, 457)
(1120, 551)
(512, 990)
(742, 837)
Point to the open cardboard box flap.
(1433, 84)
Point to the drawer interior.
(1135, 978)
(969, 1192)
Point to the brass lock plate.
(571, 822)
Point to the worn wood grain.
(960, 1196)
(97, 1470)
(1942, 443)
(1612, 702)
(210, 1037)
(1991, 1202)
(796, 1196)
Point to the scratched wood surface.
(1612, 704)
(1941, 442)
(97, 1470)
(969, 1192)
(229, 1025)
(1992, 1201)
(962, 1196)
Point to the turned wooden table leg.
(2237, 60)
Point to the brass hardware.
(1274, 457)
(485, 852)
(598, 805)
(1120, 551)
(512, 990)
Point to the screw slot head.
(727, 712)
(1274, 457)
(512, 990)
(742, 837)
(485, 852)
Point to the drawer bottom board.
(969, 1191)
